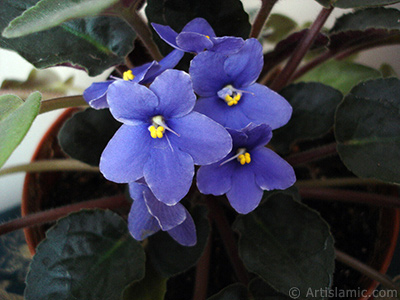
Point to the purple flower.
(248, 170)
(197, 36)
(96, 94)
(228, 92)
(161, 138)
(148, 216)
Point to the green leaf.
(314, 106)
(16, 117)
(86, 134)
(350, 74)
(50, 13)
(94, 43)
(367, 129)
(152, 287)
(277, 27)
(235, 291)
(169, 258)
(387, 71)
(355, 3)
(87, 255)
(260, 290)
(287, 244)
(226, 17)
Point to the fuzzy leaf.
(85, 135)
(93, 44)
(277, 27)
(260, 290)
(169, 258)
(287, 244)
(355, 3)
(16, 117)
(50, 13)
(235, 291)
(350, 74)
(87, 255)
(314, 106)
(367, 129)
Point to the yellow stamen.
(128, 75)
(156, 132)
(207, 37)
(232, 100)
(244, 158)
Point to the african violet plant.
(206, 130)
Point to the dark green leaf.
(387, 71)
(367, 129)
(87, 133)
(16, 117)
(169, 258)
(260, 290)
(93, 43)
(226, 17)
(87, 255)
(355, 3)
(287, 244)
(365, 29)
(350, 74)
(277, 27)
(314, 106)
(233, 292)
(49, 13)
(152, 287)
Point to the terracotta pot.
(36, 197)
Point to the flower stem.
(137, 23)
(311, 155)
(284, 77)
(350, 197)
(61, 102)
(261, 18)
(56, 213)
(366, 270)
(218, 216)
(202, 273)
(50, 165)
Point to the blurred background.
(12, 66)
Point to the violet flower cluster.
(167, 130)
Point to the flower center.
(128, 75)
(242, 156)
(230, 95)
(158, 127)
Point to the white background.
(14, 67)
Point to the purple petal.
(208, 74)
(199, 25)
(141, 223)
(239, 137)
(271, 171)
(227, 44)
(257, 135)
(168, 217)
(185, 233)
(193, 42)
(245, 66)
(174, 89)
(95, 95)
(166, 33)
(228, 116)
(194, 138)
(123, 158)
(130, 102)
(168, 171)
(262, 105)
(245, 194)
(215, 179)
(142, 72)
